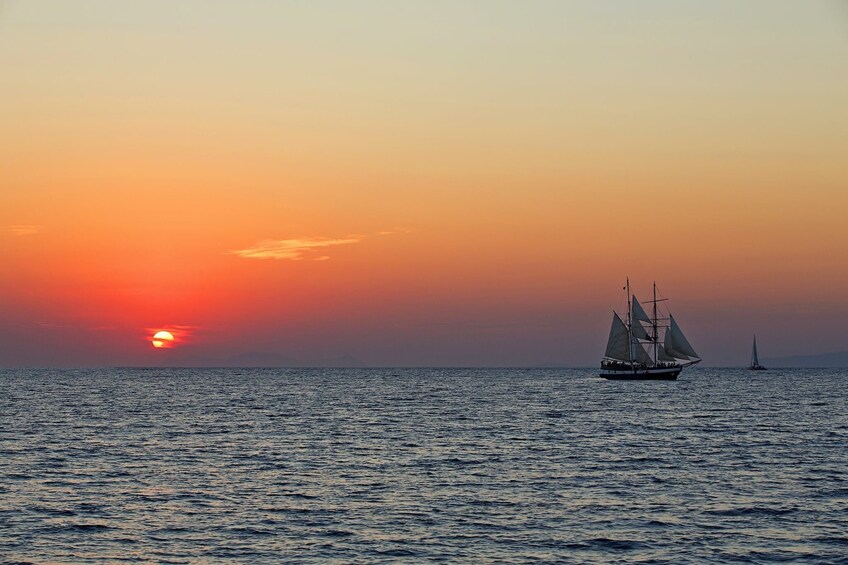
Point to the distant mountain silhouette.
(834, 359)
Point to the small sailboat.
(755, 359)
(635, 350)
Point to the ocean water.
(422, 465)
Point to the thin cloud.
(293, 249)
(23, 230)
(182, 334)
(394, 231)
(52, 325)
(470, 325)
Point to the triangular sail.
(638, 330)
(755, 359)
(662, 355)
(640, 355)
(618, 345)
(638, 312)
(679, 345)
(668, 346)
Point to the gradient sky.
(418, 183)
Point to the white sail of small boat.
(645, 346)
(755, 359)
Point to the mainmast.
(654, 323)
(629, 321)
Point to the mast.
(629, 321)
(654, 321)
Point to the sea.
(422, 466)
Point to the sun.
(162, 339)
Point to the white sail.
(618, 346)
(668, 346)
(638, 312)
(755, 359)
(638, 330)
(679, 345)
(640, 355)
(662, 355)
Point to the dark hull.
(757, 368)
(632, 377)
(653, 374)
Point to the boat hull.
(644, 374)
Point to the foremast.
(655, 334)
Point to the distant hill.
(834, 359)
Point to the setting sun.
(162, 339)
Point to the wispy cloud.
(53, 325)
(476, 325)
(311, 248)
(23, 230)
(394, 231)
(74, 325)
(181, 334)
(294, 249)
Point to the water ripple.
(421, 465)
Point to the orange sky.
(453, 183)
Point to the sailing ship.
(643, 347)
(755, 359)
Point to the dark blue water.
(507, 466)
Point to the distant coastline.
(823, 360)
